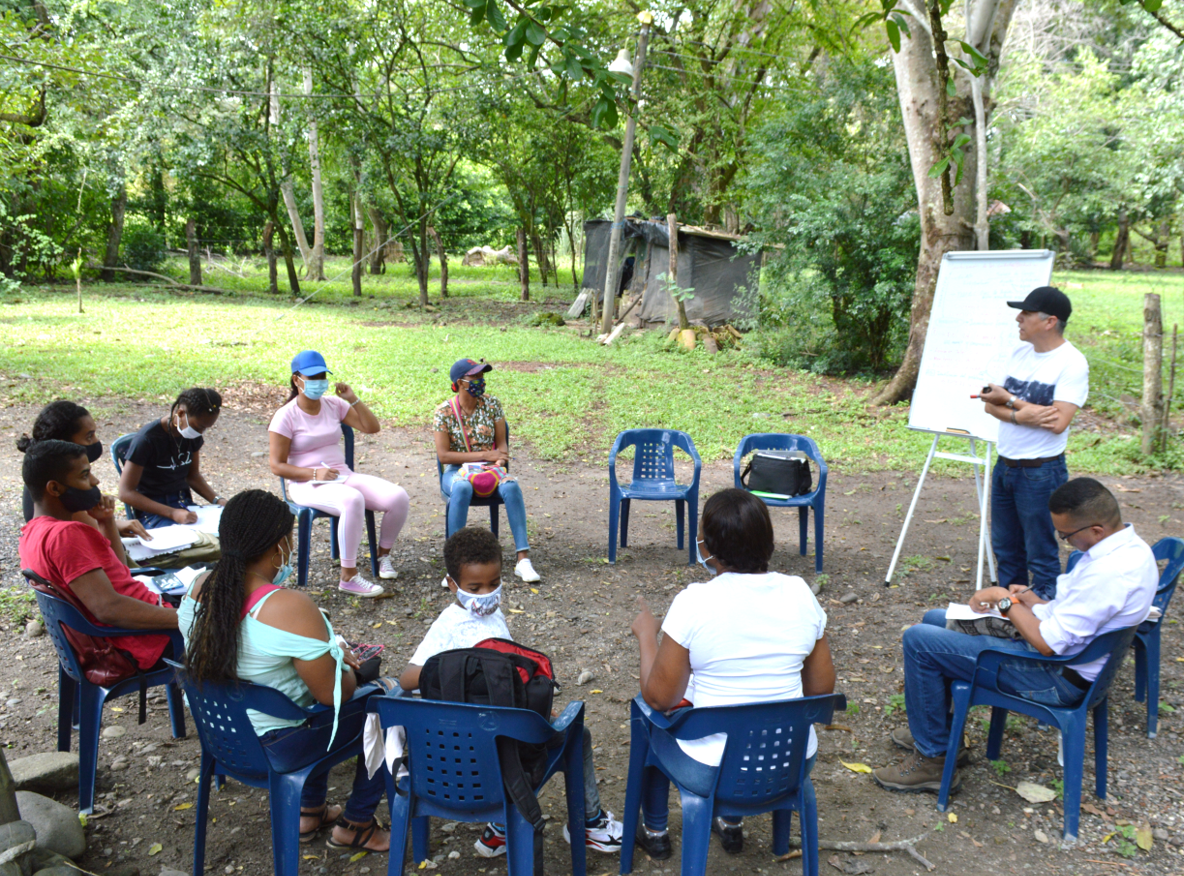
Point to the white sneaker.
(604, 836)
(359, 586)
(1060, 749)
(526, 572)
(386, 568)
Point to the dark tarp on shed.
(711, 265)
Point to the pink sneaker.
(359, 586)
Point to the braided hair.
(57, 421)
(253, 522)
(199, 402)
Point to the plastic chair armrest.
(150, 571)
(612, 460)
(574, 710)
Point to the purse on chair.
(781, 472)
(484, 476)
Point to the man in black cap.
(1046, 381)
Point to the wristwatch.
(1004, 605)
(1011, 403)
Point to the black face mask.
(75, 500)
(94, 451)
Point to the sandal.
(327, 818)
(363, 833)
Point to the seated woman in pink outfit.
(306, 450)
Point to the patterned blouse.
(480, 423)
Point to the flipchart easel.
(971, 332)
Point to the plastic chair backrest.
(56, 613)
(1115, 643)
(452, 747)
(220, 711)
(348, 434)
(778, 441)
(1170, 549)
(119, 448)
(653, 452)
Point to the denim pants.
(1022, 534)
(655, 797)
(935, 657)
(459, 493)
(291, 748)
(180, 500)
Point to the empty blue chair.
(983, 690)
(493, 502)
(1170, 551)
(230, 748)
(762, 770)
(455, 774)
(815, 499)
(79, 698)
(305, 516)
(653, 481)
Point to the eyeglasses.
(1063, 536)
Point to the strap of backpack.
(517, 786)
(744, 474)
(463, 430)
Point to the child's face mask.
(479, 604)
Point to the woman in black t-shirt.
(162, 469)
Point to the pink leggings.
(350, 500)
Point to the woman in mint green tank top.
(238, 625)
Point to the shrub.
(143, 247)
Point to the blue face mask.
(477, 387)
(703, 560)
(480, 604)
(283, 573)
(314, 389)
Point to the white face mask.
(480, 604)
(187, 432)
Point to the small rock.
(1041, 836)
(450, 826)
(15, 701)
(113, 732)
(454, 854)
(815, 588)
(119, 763)
(259, 454)
(17, 833)
(169, 871)
(47, 772)
(1160, 834)
(57, 826)
(910, 812)
(192, 774)
(585, 677)
(848, 597)
(33, 629)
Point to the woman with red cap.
(471, 428)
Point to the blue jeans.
(459, 493)
(935, 657)
(174, 500)
(1022, 534)
(655, 797)
(291, 748)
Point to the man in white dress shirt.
(1110, 588)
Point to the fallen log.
(908, 845)
(213, 290)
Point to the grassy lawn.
(565, 395)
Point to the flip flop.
(362, 835)
(326, 819)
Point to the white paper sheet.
(962, 611)
(208, 517)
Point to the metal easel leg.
(986, 509)
(908, 517)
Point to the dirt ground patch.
(581, 615)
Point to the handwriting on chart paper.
(971, 333)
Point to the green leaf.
(951, 88)
(514, 52)
(517, 34)
(544, 13)
(493, 14)
(893, 34)
(1152, 5)
(864, 20)
(535, 35)
(665, 136)
(532, 56)
(939, 168)
(574, 69)
(604, 112)
(477, 15)
(902, 24)
(960, 141)
(964, 122)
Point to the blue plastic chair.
(455, 774)
(762, 770)
(230, 747)
(119, 448)
(81, 700)
(306, 515)
(815, 499)
(983, 690)
(1146, 645)
(493, 502)
(653, 480)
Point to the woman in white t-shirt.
(747, 635)
(305, 445)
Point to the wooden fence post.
(1152, 413)
(523, 265)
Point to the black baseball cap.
(1046, 299)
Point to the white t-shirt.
(459, 628)
(1042, 378)
(748, 636)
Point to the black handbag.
(783, 472)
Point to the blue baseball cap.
(309, 362)
(467, 368)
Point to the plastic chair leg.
(626, 504)
(1140, 652)
(961, 708)
(206, 778)
(803, 521)
(370, 531)
(808, 815)
(782, 825)
(522, 843)
(573, 780)
(680, 513)
(67, 696)
(334, 541)
(638, 751)
(400, 807)
(1073, 736)
(819, 520)
(303, 548)
(176, 710)
(493, 519)
(995, 736)
(614, 520)
(696, 834)
(284, 797)
(1152, 670)
(1101, 745)
(693, 525)
(92, 697)
(421, 838)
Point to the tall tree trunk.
(159, 201)
(316, 264)
(419, 252)
(443, 256)
(381, 230)
(359, 244)
(1163, 239)
(1122, 240)
(194, 254)
(921, 100)
(523, 265)
(540, 255)
(273, 285)
(114, 233)
(289, 263)
(287, 189)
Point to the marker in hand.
(982, 391)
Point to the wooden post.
(1152, 413)
(1165, 429)
(684, 324)
(523, 265)
(359, 244)
(443, 260)
(273, 282)
(194, 254)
